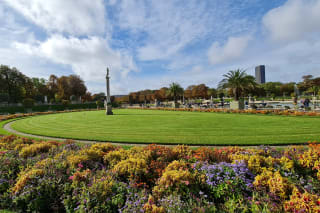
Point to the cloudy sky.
(150, 43)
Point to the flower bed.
(66, 177)
(245, 111)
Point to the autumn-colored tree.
(87, 97)
(52, 86)
(64, 91)
(187, 94)
(200, 91)
(69, 86)
(157, 95)
(134, 97)
(163, 93)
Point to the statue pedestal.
(109, 110)
(176, 105)
(237, 104)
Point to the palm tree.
(238, 81)
(175, 90)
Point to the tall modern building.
(261, 74)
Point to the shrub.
(28, 103)
(131, 168)
(65, 103)
(35, 149)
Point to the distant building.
(261, 74)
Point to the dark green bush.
(28, 103)
(44, 108)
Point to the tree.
(87, 97)
(314, 90)
(13, 83)
(175, 90)
(212, 92)
(52, 86)
(200, 90)
(306, 84)
(76, 86)
(272, 88)
(64, 91)
(163, 93)
(237, 81)
(99, 97)
(287, 89)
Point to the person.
(306, 103)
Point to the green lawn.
(148, 126)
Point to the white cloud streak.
(76, 17)
(87, 57)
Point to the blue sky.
(150, 43)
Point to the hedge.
(44, 108)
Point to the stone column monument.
(108, 100)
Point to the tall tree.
(175, 90)
(77, 86)
(200, 91)
(163, 92)
(12, 83)
(52, 86)
(237, 81)
(64, 91)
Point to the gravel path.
(8, 128)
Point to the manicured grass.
(2, 130)
(149, 126)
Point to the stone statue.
(108, 99)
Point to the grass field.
(148, 126)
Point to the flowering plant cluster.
(68, 177)
(244, 111)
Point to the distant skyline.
(147, 44)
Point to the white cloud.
(233, 49)
(77, 17)
(167, 26)
(296, 19)
(88, 58)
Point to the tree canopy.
(238, 81)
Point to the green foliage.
(175, 90)
(44, 108)
(28, 103)
(99, 104)
(238, 81)
(65, 103)
(13, 83)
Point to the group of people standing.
(305, 102)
